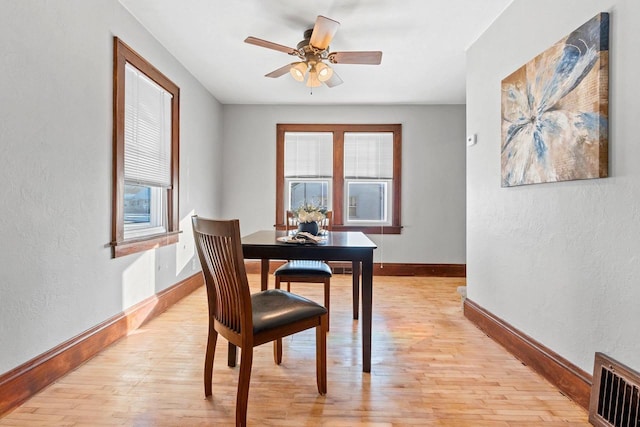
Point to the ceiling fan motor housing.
(307, 51)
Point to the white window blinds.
(308, 155)
(368, 155)
(147, 131)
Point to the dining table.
(353, 246)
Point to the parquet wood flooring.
(430, 367)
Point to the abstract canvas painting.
(555, 111)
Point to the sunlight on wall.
(139, 279)
(185, 249)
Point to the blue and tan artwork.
(555, 111)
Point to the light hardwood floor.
(430, 366)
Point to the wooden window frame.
(123, 54)
(338, 131)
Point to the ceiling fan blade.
(270, 45)
(335, 80)
(280, 71)
(370, 57)
(323, 32)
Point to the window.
(146, 148)
(368, 175)
(353, 170)
(308, 168)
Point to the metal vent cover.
(615, 394)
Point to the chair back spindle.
(227, 286)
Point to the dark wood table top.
(340, 239)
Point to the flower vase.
(309, 227)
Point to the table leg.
(367, 308)
(355, 272)
(264, 274)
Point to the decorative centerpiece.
(308, 216)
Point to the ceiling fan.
(313, 51)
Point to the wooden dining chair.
(247, 320)
(307, 271)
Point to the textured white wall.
(57, 278)
(433, 177)
(558, 261)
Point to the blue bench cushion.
(304, 268)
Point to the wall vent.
(615, 394)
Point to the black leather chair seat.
(274, 307)
(304, 268)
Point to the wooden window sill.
(127, 247)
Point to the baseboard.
(392, 269)
(22, 382)
(568, 378)
(421, 270)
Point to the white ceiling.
(423, 44)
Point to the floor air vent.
(615, 394)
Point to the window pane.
(144, 210)
(137, 204)
(367, 201)
(308, 192)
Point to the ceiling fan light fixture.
(298, 71)
(324, 71)
(313, 81)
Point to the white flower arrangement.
(310, 213)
